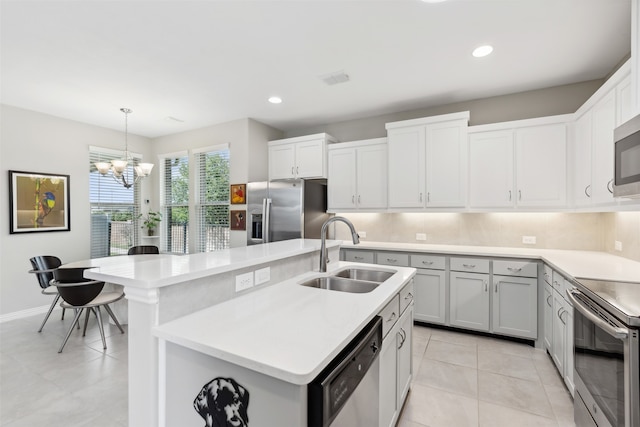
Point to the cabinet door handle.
(548, 303)
(486, 286)
(514, 270)
(427, 262)
(403, 337)
(392, 317)
(509, 195)
(519, 195)
(391, 260)
(469, 265)
(358, 257)
(292, 170)
(428, 197)
(358, 198)
(496, 287)
(353, 199)
(586, 190)
(560, 315)
(420, 197)
(297, 170)
(610, 186)
(409, 296)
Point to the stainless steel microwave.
(626, 180)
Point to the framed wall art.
(238, 194)
(38, 202)
(238, 220)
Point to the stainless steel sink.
(377, 276)
(341, 284)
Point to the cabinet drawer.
(548, 272)
(515, 268)
(358, 256)
(475, 265)
(393, 258)
(406, 296)
(558, 282)
(390, 315)
(428, 261)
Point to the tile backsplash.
(580, 231)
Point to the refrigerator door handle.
(266, 224)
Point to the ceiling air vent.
(335, 78)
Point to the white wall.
(35, 142)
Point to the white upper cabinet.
(358, 175)
(592, 144)
(427, 162)
(299, 157)
(491, 169)
(519, 164)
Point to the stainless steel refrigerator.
(283, 210)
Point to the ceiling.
(209, 62)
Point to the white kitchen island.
(271, 343)
(166, 287)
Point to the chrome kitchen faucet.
(323, 235)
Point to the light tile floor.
(460, 380)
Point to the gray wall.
(525, 105)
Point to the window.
(175, 170)
(113, 208)
(212, 209)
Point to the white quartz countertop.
(155, 271)
(576, 264)
(287, 331)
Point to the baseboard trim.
(27, 313)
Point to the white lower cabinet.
(562, 334)
(396, 370)
(515, 306)
(469, 300)
(430, 298)
(548, 317)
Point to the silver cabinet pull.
(514, 269)
(358, 198)
(392, 317)
(610, 186)
(409, 296)
(486, 286)
(428, 197)
(469, 265)
(353, 199)
(519, 195)
(358, 257)
(586, 193)
(509, 195)
(496, 287)
(392, 260)
(420, 197)
(548, 303)
(427, 262)
(297, 170)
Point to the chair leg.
(99, 317)
(113, 316)
(63, 310)
(76, 311)
(86, 321)
(53, 304)
(75, 320)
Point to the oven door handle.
(619, 333)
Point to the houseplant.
(150, 221)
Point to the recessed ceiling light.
(275, 100)
(481, 51)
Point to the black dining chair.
(79, 294)
(43, 268)
(143, 250)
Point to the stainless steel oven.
(607, 353)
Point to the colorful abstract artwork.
(39, 202)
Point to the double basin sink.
(353, 280)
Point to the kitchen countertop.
(285, 330)
(156, 271)
(576, 264)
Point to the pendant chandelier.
(118, 168)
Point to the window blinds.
(176, 203)
(113, 208)
(212, 206)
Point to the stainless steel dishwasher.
(346, 393)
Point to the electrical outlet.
(529, 240)
(421, 236)
(362, 234)
(618, 245)
(263, 275)
(244, 281)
